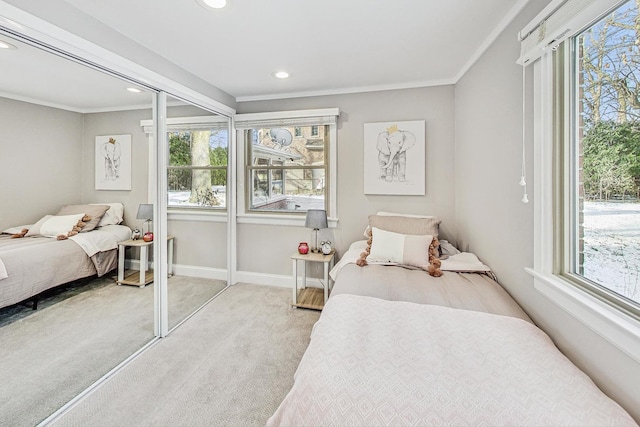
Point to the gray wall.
(492, 221)
(41, 157)
(433, 104)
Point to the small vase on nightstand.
(303, 248)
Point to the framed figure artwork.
(113, 162)
(394, 158)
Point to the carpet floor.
(231, 364)
(79, 333)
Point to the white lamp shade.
(316, 219)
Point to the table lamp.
(145, 211)
(316, 219)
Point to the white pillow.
(16, 230)
(35, 229)
(395, 248)
(60, 224)
(114, 215)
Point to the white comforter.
(376, 362)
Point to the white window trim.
(244, 216)
(618, 328)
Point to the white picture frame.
(402, 173)
(113, 162)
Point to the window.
(582, 60)
(197, 167)
(603, 159)
(287, 168)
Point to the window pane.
(288, 189)
(289, 164)
(285, 145)
(607, 229)
(197, 174)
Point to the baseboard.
(186, 270)
(276, 280)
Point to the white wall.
(492, 221)
(266, 249)
(40, 161)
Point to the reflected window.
(197, 171)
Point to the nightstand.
(144, 276)
(313, 298)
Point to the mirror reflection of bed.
(82, 324)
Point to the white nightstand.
(313, 298)
(144, 277)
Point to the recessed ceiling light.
(281, 74)
(215, 4)
(134, 90)
(5, 45)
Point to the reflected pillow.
(96, 212)
(35, 229)
(60, 225)
(113, 216)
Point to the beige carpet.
(50, 355)
(229, 365)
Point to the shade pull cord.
(523, 181)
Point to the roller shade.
(327, 116)
(559, 20)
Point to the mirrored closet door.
(197, 201)
(71, 151)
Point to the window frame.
(174, 124)
(296, 118)
(552, 125)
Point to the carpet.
(79, 333)
(231, 364)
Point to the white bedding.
(461, 262)
(102, 239)
(419, 364)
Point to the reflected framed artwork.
(394, 158)
(113, 162)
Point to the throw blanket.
(102, 239)
(464, 262)
(377, 362)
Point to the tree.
(201, 192)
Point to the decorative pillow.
(405, 226)
(62, 226)
(383, 213)
(35, 229)
(113, 216)
(96, 212)
(396, 248)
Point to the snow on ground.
(612, 246)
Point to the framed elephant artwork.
(113, 162)
(394, 158)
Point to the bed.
(397, 346)
(34, 263)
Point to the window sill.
(192, 215)
(616, 327)
(279, 219)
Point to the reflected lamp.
(316, 219)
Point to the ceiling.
(328, 46)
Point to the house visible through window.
(604, 207)
(197, 170)
(287, 172)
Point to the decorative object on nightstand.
(316, 219)
(136, 234)
(326, 247)
(303, 248)
(313, 298)
(145, 211)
